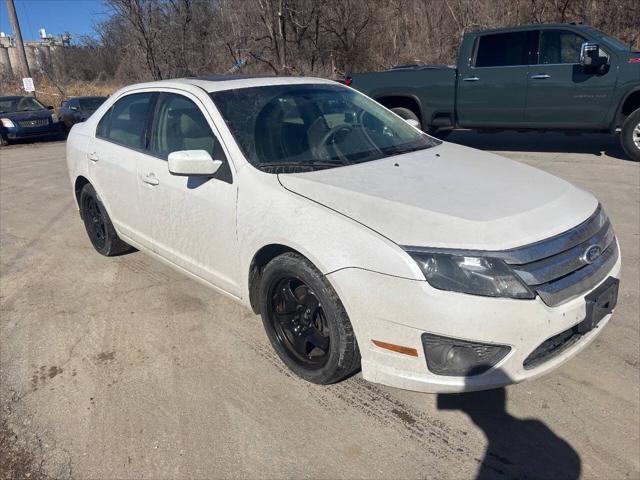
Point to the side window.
(502, 50)
(103, 125)
(560, 46)
(65, 104)
(180, 125)
(125, 122)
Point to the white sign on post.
(27, 84)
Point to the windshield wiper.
(310, 164)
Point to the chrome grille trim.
(563, 263)
(571, 286)
(40, 122)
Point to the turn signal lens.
(396, 348)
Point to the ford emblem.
(592, 253)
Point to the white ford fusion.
(361, 241)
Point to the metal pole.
(22, 55)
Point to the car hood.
(32, 115)
(450, 197)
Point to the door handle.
(540, 76)
(93, 157)
(470, 79)
(150, 179)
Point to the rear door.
(492, 87)
(560, 92)
(192, 219)
(113, 161)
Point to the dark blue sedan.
(23, 118)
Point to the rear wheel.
(98, 224)
(630, 136)
(305, 321)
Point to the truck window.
(502, 49)
(560, 46)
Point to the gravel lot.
(122, 368)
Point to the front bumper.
(398, 311)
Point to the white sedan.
(362, 242)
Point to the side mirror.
(590, 56)
(192, 162)
(49, 107)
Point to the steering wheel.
(345, 128)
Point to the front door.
(560, 92)
(492, 88)
(192, 219)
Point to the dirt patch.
(15, 460)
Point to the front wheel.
(630, 136)
(306, 322)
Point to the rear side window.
(125, 122)
(502, 50)
(180, 125)
(558, 46)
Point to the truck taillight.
(634, 60)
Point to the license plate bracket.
(600, 303)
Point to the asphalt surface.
(122, 368)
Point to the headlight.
(7, 123)
(486, 276)
(54, 117)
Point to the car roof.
(12, 97)
(217, 83)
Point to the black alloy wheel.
(299, 323)
(306, 322)
(94, 221)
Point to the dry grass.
(50, 94)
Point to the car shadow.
(597, 144)
(516, 448)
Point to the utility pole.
(22, 56)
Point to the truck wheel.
(407, 114)
(630, 136)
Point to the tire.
(306, 322)
(630, 136)
(3, 141)
(99, 228)
(407, 114)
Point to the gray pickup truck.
(537, 77)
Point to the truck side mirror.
(590, 58)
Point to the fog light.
(453, 357)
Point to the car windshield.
(91, 103)
(19, 104)
(313, 126)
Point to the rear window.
(502, 49)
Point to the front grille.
(40, 122)
(557, 268)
